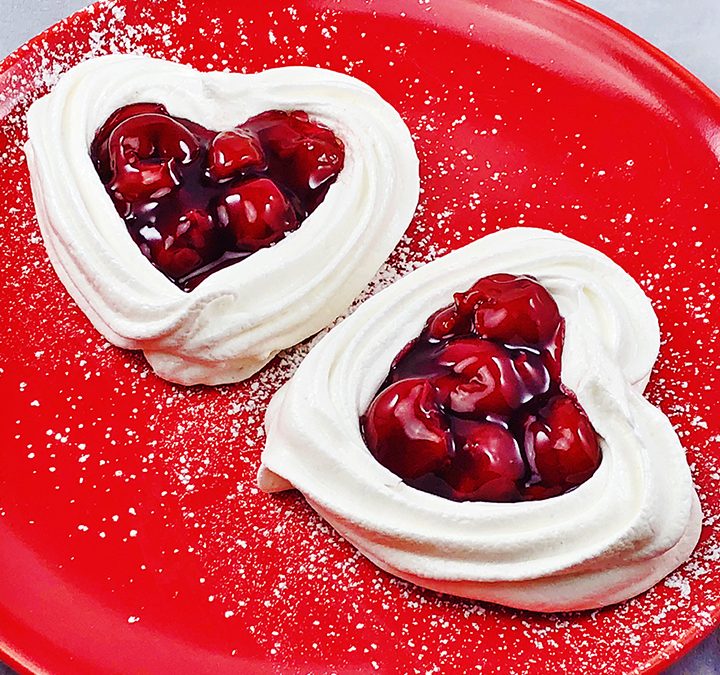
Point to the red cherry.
(256, 214)
(234, 152)
(488, 466)
(307, 156)
(184, 246)
(139, 181)
(405, 430)
(515, 310)
(445, 323)
(98, 148)
(482, 379)
(144, 152)
(486, 379)
(561, 446)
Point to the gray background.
(687, 30)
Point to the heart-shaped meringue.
(240, 317)
(635, 520)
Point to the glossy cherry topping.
(474, 408)
(407, 414)
(196, 200)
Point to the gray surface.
(689, 31)
(21, 19)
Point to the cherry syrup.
(474, 408)
(196, 200)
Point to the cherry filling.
(474, 408)
(196, 200)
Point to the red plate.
(132, 538)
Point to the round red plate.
(132, 537)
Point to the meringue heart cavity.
(616, 535)
(237, 319)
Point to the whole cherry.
(144, 153)
(487, 378)
(488, 467)
(233, 152)
(255, 214)
(180, 247)
(405, 430)
(446, 323)
(515, 310)
(99, 147)
(561, 446)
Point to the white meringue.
(240, 317)
(634, 521)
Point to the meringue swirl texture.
(235, 321)
(634, 521)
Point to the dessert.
(630, 523)
(148, 178)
